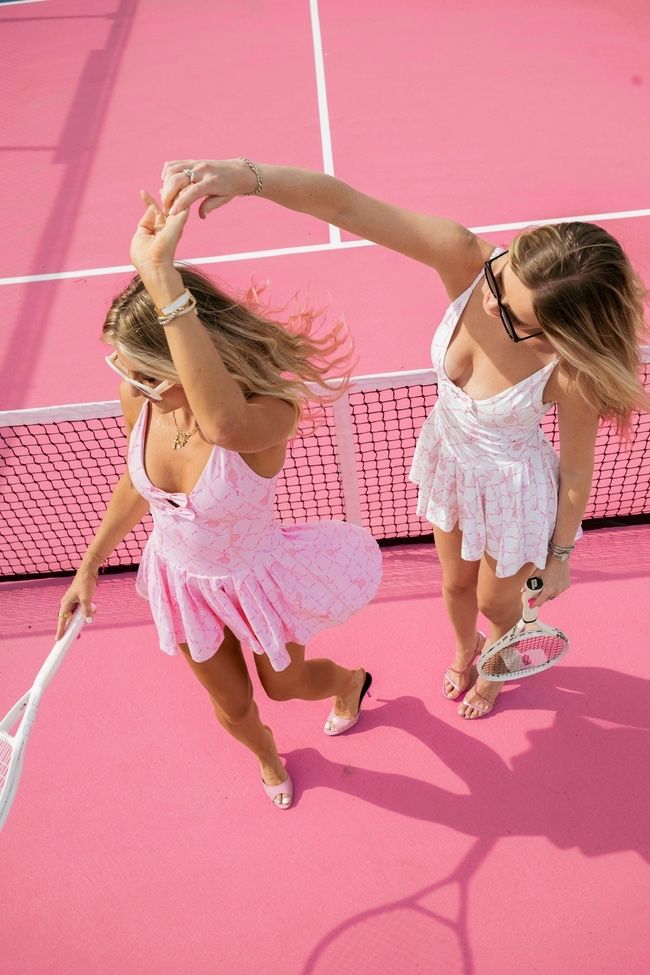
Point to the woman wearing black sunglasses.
(557, 318)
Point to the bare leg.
(312, 680)
(500, 601)
(459, 583)
(226, 680)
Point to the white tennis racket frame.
(523, 628)
(27, 706)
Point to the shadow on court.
(535, 794)
(74, 155)
(578, 785)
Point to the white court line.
(315, 248)
(323, 113)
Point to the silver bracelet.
(560, 552)
(255, 171)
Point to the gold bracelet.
(90, 554)
(256, 173)
(94, 555)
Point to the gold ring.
(66, 615)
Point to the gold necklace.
(181, 438)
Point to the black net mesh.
(57, 477)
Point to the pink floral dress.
(217, 557)
(486, 464)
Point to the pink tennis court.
(140, 839)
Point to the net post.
(347, 458)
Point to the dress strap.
(137, 433)
(540, 378)
(445, 331)
(136, 442)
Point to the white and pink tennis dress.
(486, 465)
(217, 557)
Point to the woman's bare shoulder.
(131, 405)
(463, 262)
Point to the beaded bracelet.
(253, 168)
(165, 317)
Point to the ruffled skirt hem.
(506, 511)
(317, 576)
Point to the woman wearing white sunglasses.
(212, 390)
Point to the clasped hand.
(154, 243)
(215, 182)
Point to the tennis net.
(59, 466)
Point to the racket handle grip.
(57, 653)
(533, 587)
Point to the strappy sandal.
(480, 641)
(483, 709)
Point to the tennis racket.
(23, 714)
(528, 648)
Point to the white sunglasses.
(151, 392)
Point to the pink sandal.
(336, 725)
(483, 709)
(480, 641)
(284, 789)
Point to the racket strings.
(526, 653)
(5, 757)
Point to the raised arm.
(451, 249)
(225, 416)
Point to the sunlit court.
(139, 839)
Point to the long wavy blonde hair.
(590, 303)
(263, 355)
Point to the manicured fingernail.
(89, 619)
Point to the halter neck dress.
(217, 557)
(486, 465)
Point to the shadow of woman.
(579, 784)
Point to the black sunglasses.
(507, 317)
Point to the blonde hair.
(264, 356)
(590, 303)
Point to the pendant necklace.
(181, 438)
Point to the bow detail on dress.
(167, 501)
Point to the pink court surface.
(140, 840)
